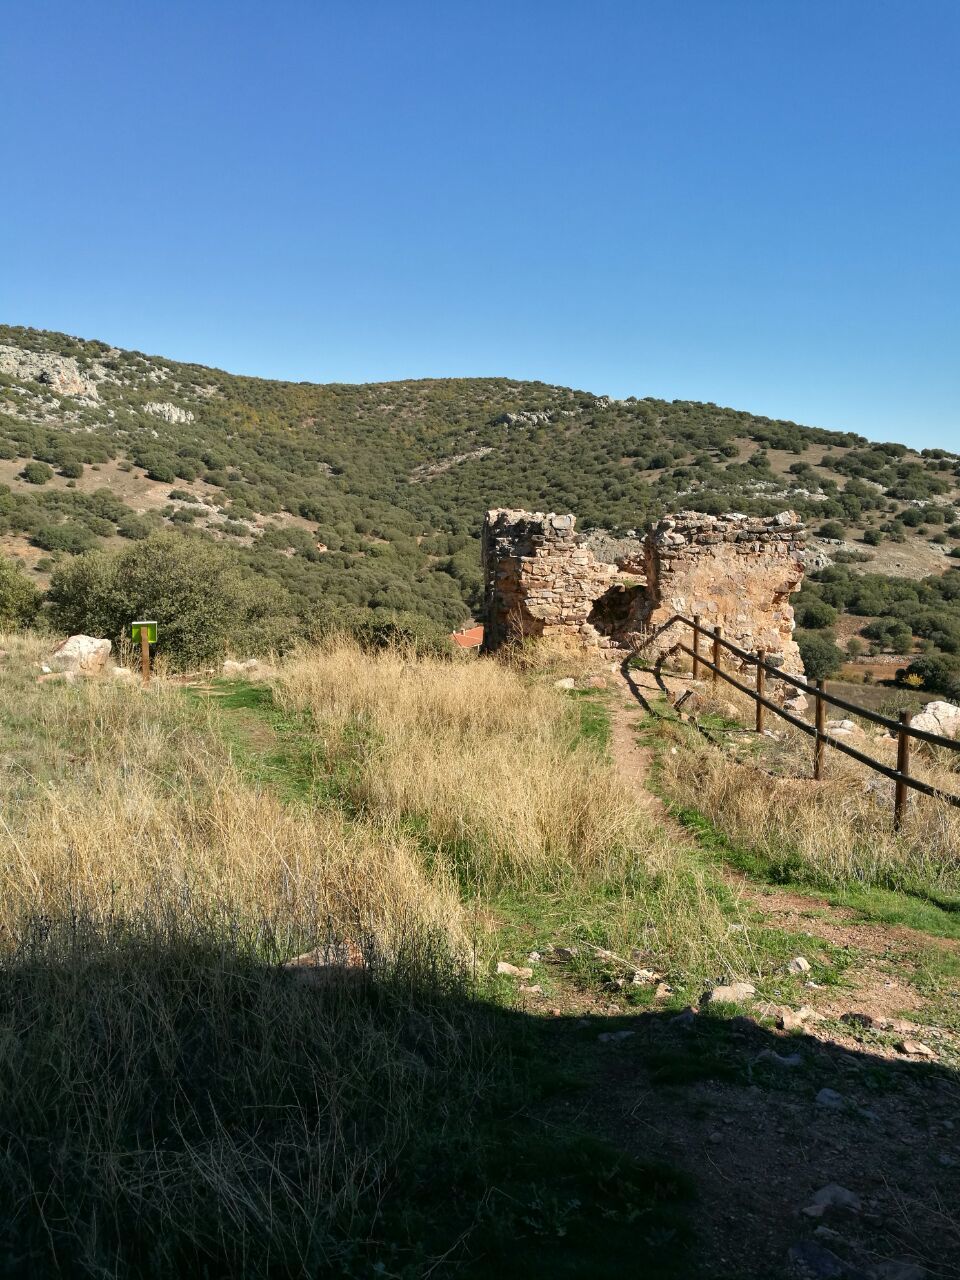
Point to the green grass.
(933, 914)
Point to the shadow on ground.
(175, 1106)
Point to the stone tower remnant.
(596, 590)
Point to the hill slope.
(372, 495)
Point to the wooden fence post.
(903, 769)
(716, 654)
(696, 646)
(818, 742)
(761, 683)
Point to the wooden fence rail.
(901, 729)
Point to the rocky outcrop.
(737, 572)
(171, 413)
(61, 374)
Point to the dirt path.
(765, 1120)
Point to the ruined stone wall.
(544, 579)
(539, 578)
(736, 571)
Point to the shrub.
(72, 470)
(19, 598)
(873, 537)
(814, 613)
(37, 473)
(821, 656)
(203, 599)
(832, 529)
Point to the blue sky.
(753, 202)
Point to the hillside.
(372, 495)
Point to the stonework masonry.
(544, 579)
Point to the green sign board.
(143, 626)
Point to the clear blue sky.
(755, 202)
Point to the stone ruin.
(595, 590)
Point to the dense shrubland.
(369, 498)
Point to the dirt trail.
(762, 1140)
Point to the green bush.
(813, 613)
(821, 656)
(37, 473)
(832, 529)
(19, 598)
(205, 602)
(72, 470)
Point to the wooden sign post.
(146, 633)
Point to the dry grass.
(485, 765)
(175, 1095)
(480, 758)
(180, 1102)
(836, 832)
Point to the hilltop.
(371, 496)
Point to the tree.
(204, 600)
(821, 656)
(814, 613)
(19, 598)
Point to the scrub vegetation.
(361, 505)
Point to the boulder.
(942, 718)
(797, 703)
(734, 993)
(82, 655)
(844, 729)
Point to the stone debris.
(832, 1196)
(915, 1049)
(811, 1261)
(794, 1019)
(567, 682)
(535, 990)
(512, 970)
(80, 655)
(565, 953)
(844, 729)
(779, 1059)
(733, 993)
(614, 1037)
(663, 991)
(831, 1100)
(799, 964)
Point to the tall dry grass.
(479, 758)
(485, 766)
(837, 832)
(173, 1100)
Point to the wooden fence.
(902, 729)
